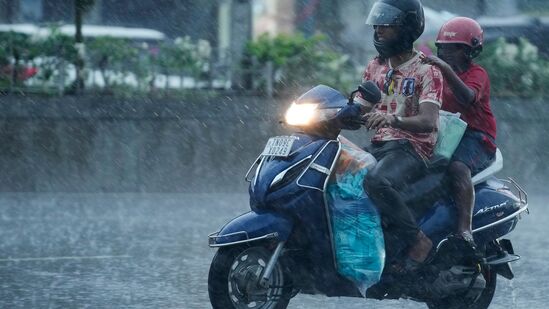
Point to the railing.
(144, 73)
(132, 66)
(52, 75)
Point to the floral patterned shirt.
(404, 88)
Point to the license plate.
(279, 146)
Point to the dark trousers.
(398, 166)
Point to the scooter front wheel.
(233, 281)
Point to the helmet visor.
(383, 14)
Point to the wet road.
(150, 251)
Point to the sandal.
(463, 241)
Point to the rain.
(127, 129)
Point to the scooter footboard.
(252, 226)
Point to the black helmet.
(407, 14)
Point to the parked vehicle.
(137, 35)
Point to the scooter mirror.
(370, 91)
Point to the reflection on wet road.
(150, 251)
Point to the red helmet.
(462, 30)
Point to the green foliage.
(15, 45)
(184, 56)
(16, 49)
(515, 69)
(53, 55)
(119, 60)
(300, 62)
(56, 45)
(125, 66)
(113, 57)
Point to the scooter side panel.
(439, 221)
(310, 178)
(316, 175)
(491, 205)
(263, 187)
(253, 225)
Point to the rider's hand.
(349, 117)
(376, 121)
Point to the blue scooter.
(285, 244)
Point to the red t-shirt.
(414, 83)
(478, 115)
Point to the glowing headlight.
(300, 114)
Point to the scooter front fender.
(252, 226)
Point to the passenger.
(405, 120)
(467, 91)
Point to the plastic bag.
(450, 132)
(356, 225)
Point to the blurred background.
(158, 95)
(147, 46)
(126, 129)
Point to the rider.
(405, 120)
(467, 91)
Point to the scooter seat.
(425, 191)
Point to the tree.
(80, 7)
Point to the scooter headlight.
(301, 114)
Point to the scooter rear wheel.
(482, 302)
(232, 281)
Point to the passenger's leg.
(464, 195)
(470, 157)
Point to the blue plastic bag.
(357, 235)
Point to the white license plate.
(279, 146)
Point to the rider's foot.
(420, 252)
(464, 239)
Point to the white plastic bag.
(450, 131)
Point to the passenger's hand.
(376, 121)
(436, 61)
